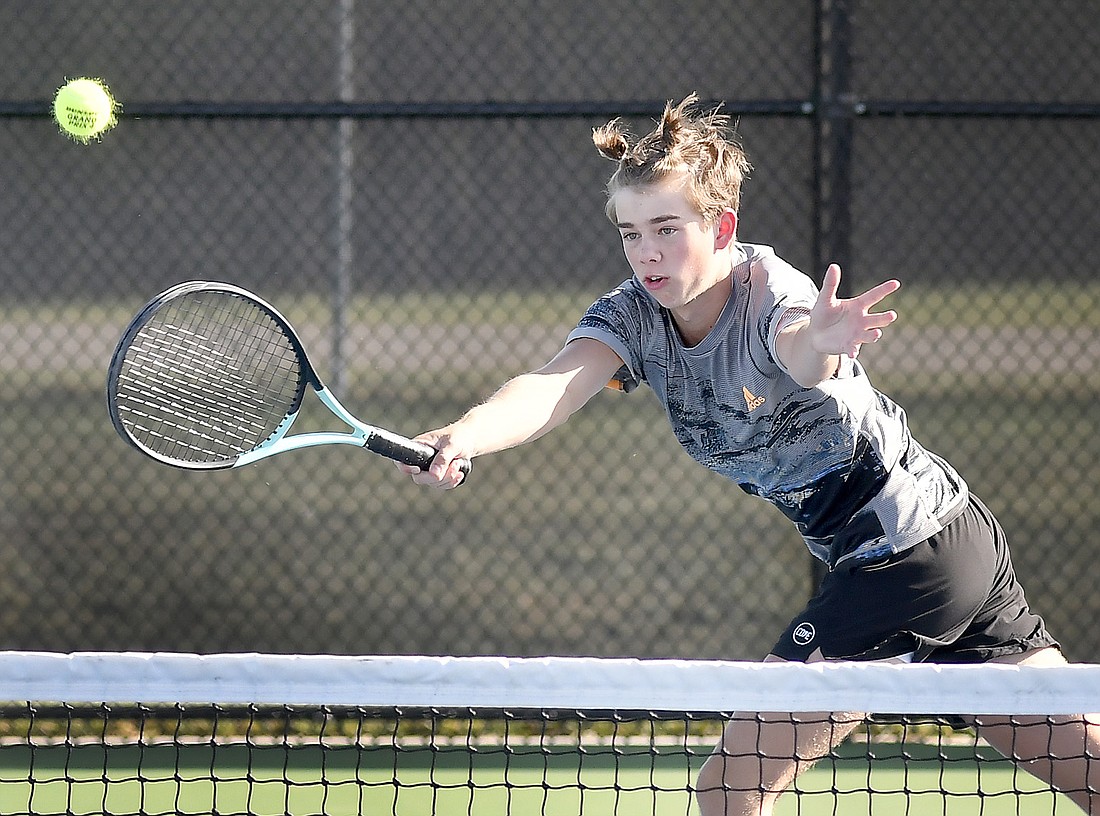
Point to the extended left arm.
(811, 349)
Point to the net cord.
(544, 683)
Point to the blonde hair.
(698, 144)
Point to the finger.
(442, 472)
(440, 465)
(428, 479)
(451, 463)
(456, 473)
(879, 320)
(869, 336)
(451, 477)
(877, 293)
(831, 284)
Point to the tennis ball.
(84, 109)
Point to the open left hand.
(843, 325)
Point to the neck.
(694, 320)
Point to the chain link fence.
(413, 185)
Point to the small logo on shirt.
(751, 401)
(803, 633)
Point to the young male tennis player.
(759, 376)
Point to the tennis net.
(277, 734)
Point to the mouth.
(653, 281)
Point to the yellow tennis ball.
(84, 109)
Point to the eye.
(630, 236)
(666, 230)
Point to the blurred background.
(413, 184)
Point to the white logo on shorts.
(803, 633)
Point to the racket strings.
(209, 376)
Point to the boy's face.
(672, 250)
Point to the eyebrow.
(660, 219)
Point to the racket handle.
(408, 451)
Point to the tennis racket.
(209, 376)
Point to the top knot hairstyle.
(698, 144)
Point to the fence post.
(835, 108)
(345, 195)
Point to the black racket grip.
(409, 451)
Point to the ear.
(727, 230)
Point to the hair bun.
(672, 124)
(611, 141)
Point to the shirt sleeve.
(616, 320)
(790, 297)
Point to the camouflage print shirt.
(837, 459)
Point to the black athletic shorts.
(951, 599)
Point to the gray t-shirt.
(836, 459)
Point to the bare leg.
(1062, 751)
(760, 755)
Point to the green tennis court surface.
(289, 779)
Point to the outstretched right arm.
(523, 409)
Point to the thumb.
(448, 451)
(831, 283)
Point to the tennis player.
(759, 375)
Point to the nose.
(648, 252)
